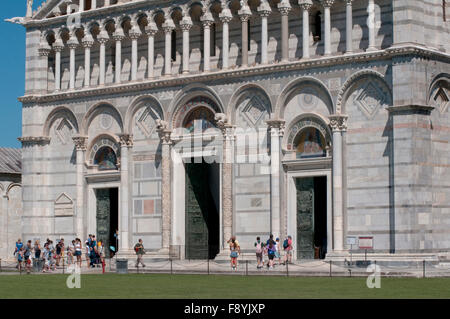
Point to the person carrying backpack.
(140, 251)
(287, 246)
(259, 252)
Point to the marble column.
(284, 7)
(168, 26)
(371, 25)
(94, 4)
(349, 26)
(118, 36)
(72, 44)
(151, 29)
(276, 133)
(327, 25)
(81, 6)
(134, 33)
(102, 39)
(87, 43)
(207, 21)
(186, 25)
(58, 46)
(166, 184)
(44, 52)
(225, 17)
(306, 6)
(124, 228)
(264, 11)
(227, 178)
(244, 15)
(338, 124)
(80, 146)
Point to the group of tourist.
(272, 249)
(50, 256)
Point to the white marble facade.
(127, 74)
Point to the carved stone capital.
(134, 33)
(126, 140)
(225, 16)
(222, 123)
(151, 29)
(264, 9)
(338, 122)
(162, 127)
(277, 124)
(327, 3)
(305, 4)
(80, 142)
(168, 26)
(284, 7)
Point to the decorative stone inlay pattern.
(441, 100)
(370, 99)
(308, 98)
(106, 121)
(145, 121)
(63, 130)
(254, 110)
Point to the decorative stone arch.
(10, 187)
(293, 86)
(305, 120)
(186, 95)
(103, 140)
(2, 190)
(352, 80)
(60, 112)
(439, 92)
(241, 93)
(97, 109)
(137, 104)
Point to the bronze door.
(305, 218)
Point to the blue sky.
(12, 79)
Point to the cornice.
(237, 73)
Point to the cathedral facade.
(187, 122)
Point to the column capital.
(305, 4)
(338, 122)
(348, 2)
(73, 42)
(126, 140)
(34, 140)
(244, 13)
(165, 134)
(80, 142)
(168, 26)
(276, 124)
(225, 16)
(186, 23)
(327, 3)
(134, 33)
(151, 29)
(87, 41)
(207, 18)
(284, 7)
(44, 49)
(264, 9)
(58, 46)
(118, 35)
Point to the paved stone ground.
(308, 268)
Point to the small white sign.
(365, 242)
(351, 240)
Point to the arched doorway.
(198, 178)
(309, 187)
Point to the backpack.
(259, 248)
(286, 244)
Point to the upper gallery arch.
(60, 114)
(295, 86)
(147, 101)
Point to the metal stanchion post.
(287, 269)
(171, 266)
(63, 265)
(208, 266)
(424, 269)
(0, 265)
(246, 267)
(331, 274)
